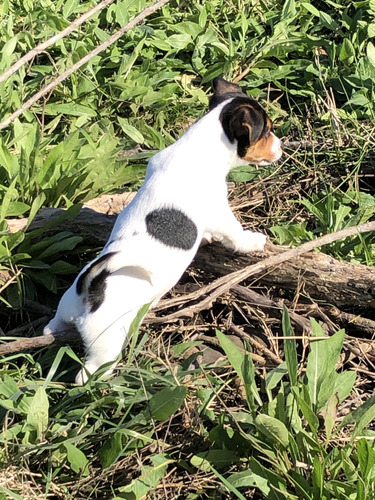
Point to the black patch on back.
(96, 291)
(172, 227)
(238, 111)
(90, 269)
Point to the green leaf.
(275, 488)
(313, 10)
(344, 383)
(347, 52)
(10, 495)
(273, 377)
(131, 131)
(62, 267)
(8, 48)
(166, 402)
(370, 50)
(309, 415)
(69, 7)
(327, 21)
(290, 348)
(16, 208)
(122, 15)
(219, 458)
(77, 459)
(289, 10)
(37, 417)
(329, 415)
(242, 364)
(367, 417)
(273, 429)
(71, 109)
(366, 459)
(321, 361)
(356, 415)
(111, 450)
(8, 386)
(149, 478)
(10, 194)
(61, 246)
(35, 206)
(228, 485)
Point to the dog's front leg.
(226, 229)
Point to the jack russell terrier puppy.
(155, 238)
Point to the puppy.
(155, 238)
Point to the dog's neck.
(202, 151)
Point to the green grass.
(167, 426)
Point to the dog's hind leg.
(105, 327)
(103, 343)
(70, 308)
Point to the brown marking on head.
(265, 150)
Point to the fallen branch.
(208, 293)
(316, 275)
(224, 283)
(44, 45)
(48, 88)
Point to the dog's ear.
(245, 121)
(223, 90)
(222, 87)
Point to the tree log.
(313, 274)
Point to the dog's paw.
(251, 242)
(50, 328)
(47, 330)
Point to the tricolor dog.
(155, 238)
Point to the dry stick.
(221, 285)
(140, 17)
(42, 46)
(218, 287)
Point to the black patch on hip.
(172, 227)
(91, 269)
(96, 291)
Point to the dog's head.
(245, 121)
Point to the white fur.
(189, 176)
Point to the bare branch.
(210, 292)
(42, 46)
(103, 46)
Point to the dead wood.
(313, 274)
(24, 344)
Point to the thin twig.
(42, 46)
(140, 17)
(257, 345)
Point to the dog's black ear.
(245, 121)
(223, 90)
(222, 86)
